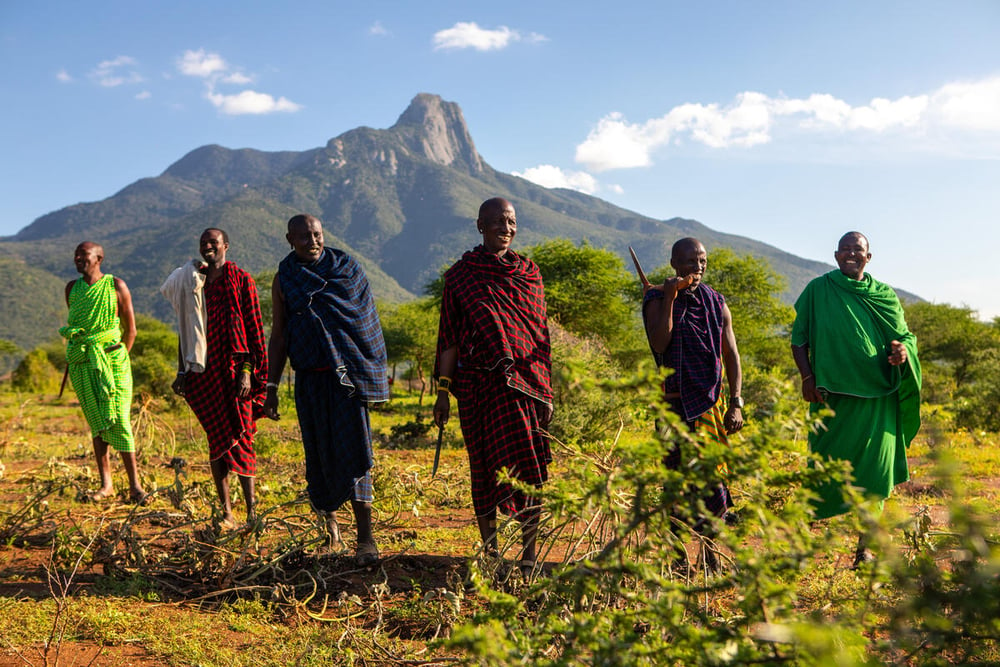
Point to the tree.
(588, 291)
(154, 358)
(960, 359)
(410, 333)
(949, 337)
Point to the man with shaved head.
(99, 335)
(494, 355)
(690, 330)
(857, 358)
(324, 320)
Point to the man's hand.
(809, 391)
(897, 353)
(179, 385)
(546, 415)
(271, 404)
(243, 384)
(442, 407)
(733, 421)
(677, 283)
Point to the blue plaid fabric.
(695, 350)
(332, 322)
(336, 437)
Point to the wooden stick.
(638, 269)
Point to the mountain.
(402, 200)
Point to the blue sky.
(790, 122)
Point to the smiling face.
(498, 224)
(305, 234)
(690, 259)
(87, 257)
(852, 255)
(213, 247)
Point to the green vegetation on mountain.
(403, 200)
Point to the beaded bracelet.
(444, 383)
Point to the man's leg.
(529, 536)
(103, 470)
(488, 532)
(367, 551)
(136, 492)
(249, 497)
(220, 473)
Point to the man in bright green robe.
(99, 334)
(858, 358)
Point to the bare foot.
(101, 494)
(139, 497)
(367, 554)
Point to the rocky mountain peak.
(436, 129)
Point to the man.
(99, 334)
(325, 321)
(857, 358)
(494, 356)
(221, 362)
(690, 330)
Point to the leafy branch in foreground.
(622, 594)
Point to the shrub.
(36, 374)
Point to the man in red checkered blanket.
(227, 396)
(494, 356)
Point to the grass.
(271, 596)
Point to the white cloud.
(250, 102)
(63, 76)
(471, 36)
(753, 119)
(617, 189)
(970, 106)
(116, 72)
(236, 78)
(201, 64)
(144, 95)
(215, 70)
(378, 29)
(549, 176)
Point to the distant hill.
(402, 200)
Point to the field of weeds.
(113, 583)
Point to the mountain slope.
(403, 200)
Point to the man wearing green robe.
(99, 334)
(857, 358)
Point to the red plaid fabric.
(235, 333)
(502, 430)
(493, 310)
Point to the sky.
(788, 122)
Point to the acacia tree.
(588, 291)
(410, 333)
(960, 359)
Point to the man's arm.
(800, 353)
(69, 288)
(733, 420)
(659, 317)
(277, 352)
(447, 363)
(125, 313)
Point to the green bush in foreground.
(621, 597)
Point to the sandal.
(367, 554)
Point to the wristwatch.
(736, 402)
